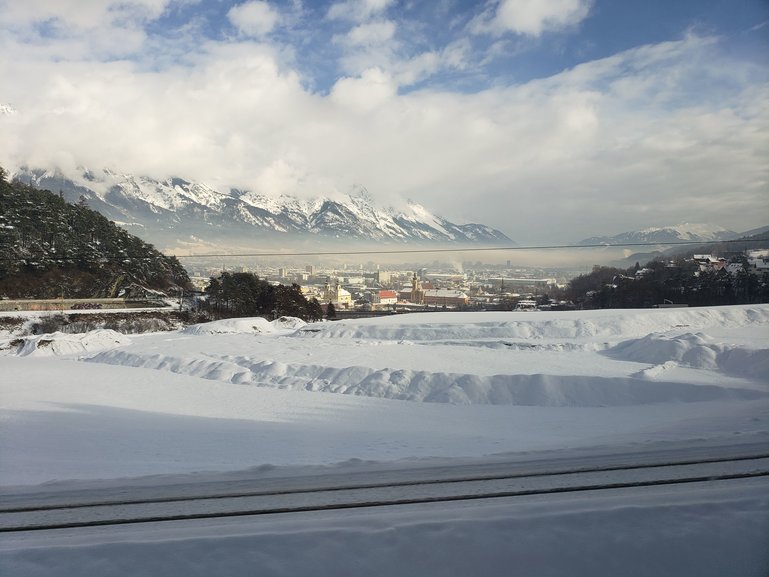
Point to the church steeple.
(417, 295)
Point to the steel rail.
(381, 485)
(363, 502)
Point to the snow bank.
(435, 387)
(541, 359)
(57, 344)
(582, 359)
(249, 325)
(289, 323)
(537, 326)
(698, 351)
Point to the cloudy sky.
(552, 120)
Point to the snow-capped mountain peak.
(683, 232)
(175, 208)
(691, 231)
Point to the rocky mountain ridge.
(176, 208)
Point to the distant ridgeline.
(50, 248)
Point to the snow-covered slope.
(605, 358)
(243, 393)
(179, 208)
(667, 234)
(242, 405)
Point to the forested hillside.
(50, 248)
(680, 281)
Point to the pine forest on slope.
(52, 248)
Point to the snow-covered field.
(246, 397)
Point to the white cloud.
(372, 90)
(374, 45)
(370, 34)
(531, 17)
(82, 14)
(255, 18)
(358, 10)
(75, 29)
(628, 141)
(455, 56)
(367, 46)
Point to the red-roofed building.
(384, 297)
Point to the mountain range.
(691, 239)
(176, 210)
(684, 232)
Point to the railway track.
(333, 493)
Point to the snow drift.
(696, 351)
(58, 344)
(580, 359)
(251, 325)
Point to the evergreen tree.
(314, 310)
(244, 294)
(52, 248)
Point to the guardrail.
(73, 304)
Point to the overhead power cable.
(455, 250)
(516, 248)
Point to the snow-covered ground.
(246, 397)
